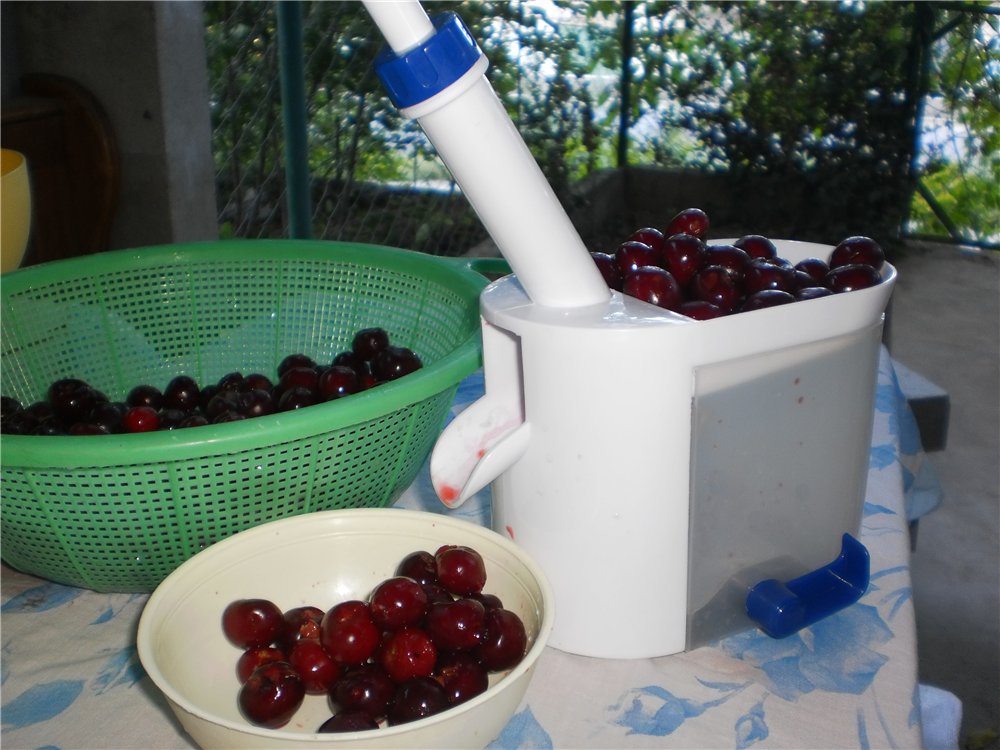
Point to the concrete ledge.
(930, 405)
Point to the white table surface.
(70, 676)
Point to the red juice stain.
(447, 494)
(510, 531)
(481, 452)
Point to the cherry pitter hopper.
(677, 480)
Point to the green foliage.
(807, 108)
(970, 199)
(962, 171)
(811, 96)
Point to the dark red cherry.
(193, 420)
(41, 410)
(800, 280)
(295, 360)
(348, 721)
(857, 250)
(255, 657)
(182, 393)
(461, 676)
(170, 419)
(299, 377)
(816, 268)
(407, 653)
(301, 623)
(352, 360)
(231, 381)
(654, 285)
(437, 593)
(728, 256)
(141, 419)
(338, 381)
(460, 569)
(228, 416)
(255, 403)
(631, 255)
(763, 274)
(257, 381)
(298, 397)
(766, 298)
(417, 699)
(852, 277)
(756, 246)
(208, 392)
(223, 401)
(420, 566)
(348, 633)
(505, 640)
(9, 406)
(683, 255)
(369, 341)
(314, 665)
(397, 602)
(109, 414)
(72, 399)
(648, 236)
(689, 221)
(394, 362)
(490, 601)
(252, 623)
(364, 688)
(145, 395)
(812, 292)
(457, 625)
(700, 310)
(716, 285)
(272, 694)
(606, 264)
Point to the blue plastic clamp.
(781, 609)
(431, 67)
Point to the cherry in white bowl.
(320, 559)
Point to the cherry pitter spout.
(677, 480)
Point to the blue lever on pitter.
(781, 609)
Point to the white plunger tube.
(475, 137)
(403, 23)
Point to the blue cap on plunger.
(430, 67)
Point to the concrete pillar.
(145, 63)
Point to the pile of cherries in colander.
(73, 406)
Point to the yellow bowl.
(15, 209)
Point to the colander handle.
(491, 268)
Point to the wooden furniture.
(73, 165)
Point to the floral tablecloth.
(71, 677)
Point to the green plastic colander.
(120, 512)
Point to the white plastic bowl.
(320, 559)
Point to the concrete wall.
(145, 63)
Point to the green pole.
(293, 115)
(625, 83)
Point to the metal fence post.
(293, 115)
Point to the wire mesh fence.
(822, 99)
(957, 167)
